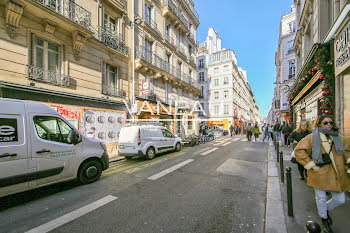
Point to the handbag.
(293, 159)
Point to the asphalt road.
(198, 189)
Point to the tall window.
(111, 79)
(290, 46)
(148, 51)
(202, 90)
(110, 24)
(226, 68)
(216, 95)
(226, 109)
(167, 30)
(291, 69)
(216, 82)
(190, 49)
(46, 55)
(201, 63)
(216, 109)
(148, 11)
(225, 80)
(225, 94)
(292, 27)
(168, 91)
(201, 76)
(216, 70)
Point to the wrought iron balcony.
(180, 49)
(47, 76)
(153, 59)
(169, 39)
(112, 91)
(194, 12)
(291, 76)
(176, 12)
(69, 10)
(112, 40)
(151, 23)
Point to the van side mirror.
(74, 137)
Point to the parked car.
(146, 141)
(39, 147)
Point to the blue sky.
(250, 28)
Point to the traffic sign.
(277, 112)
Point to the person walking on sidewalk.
(322, 153)
(281, 133)
(256, 131)
(249, 132)
(286, 131)
(277, 130)
(231, 129)
(267, 133)
(301, 132)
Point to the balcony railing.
(151, 23)
(69, 10)
(112, 91)
(169, 39)
(192, 9)
(202, 66)
(180, 49)
(291, 76)
(112, 40)
(176, 12)
(150, 57)
(47, 76)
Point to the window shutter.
(32, 50)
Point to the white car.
(147, 141)
(39, 147)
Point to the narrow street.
(219, 186)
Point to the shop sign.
(235, 112)
(146, 86)
(277, 112)
(342, 50)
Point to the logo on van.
(8, 130)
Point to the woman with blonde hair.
(327, 162)
(299, 133)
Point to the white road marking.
(236, 139)
(167, 171)
(244, 140)
(209, 151)
(72, 215)
(200, 151)
(226, 143)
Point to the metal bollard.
(281, 166)
(278, 150)
(289, 191)
(313, 227)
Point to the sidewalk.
(304, 203)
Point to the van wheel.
(128, 158)
(150, 153)
(178, 146)
(90, 171)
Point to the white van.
(39, 147)
(148, 140)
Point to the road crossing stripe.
(244, 140)
(236, 139)
(209, 151)
(72, 215)
(169, 170)
(200, 151)
(226, 143)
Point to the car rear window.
(128, 134)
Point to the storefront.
(341, 46)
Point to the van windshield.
(128, 135)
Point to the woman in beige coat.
(327, 162)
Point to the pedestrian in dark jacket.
(231, 129)
(286, 131)
(256, 131)
(302, 131)
(277, 130)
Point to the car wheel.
(90, 171)
(128, 158)
(150, 153)
(178, 146)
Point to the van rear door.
(13, 148)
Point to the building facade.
(285, 66)
(165, 45)
(226, 95)
(71, 55)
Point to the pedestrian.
(231, 130)
(249, 132)
(267, 133)
(263, 127)
(236, 129)
(286, 131)
(302, 131)
(322, 154)
(256, 131)
(282, 135)
(277, 130)
(271, 131)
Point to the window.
(201, 64)
(226, 68)
(216, 70)
(168, 91)
(148, 11)
(226, 109)
(52, 129)
(167, 30)
(167, 133)
(110, 24)
(225, 94)
(202, 90)
(216, 109)
(148, 51)
(290, 46)
(216, 95)
(291, 27)
(111, 78)
(46, 55)
(201, 76)
(189, 124)
(291, 69)
(225, 80)
(216, 82)
(190, 49)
